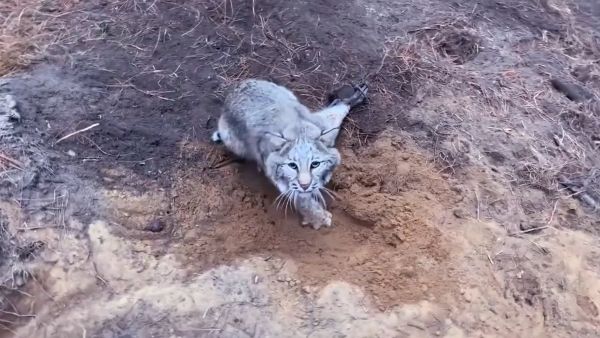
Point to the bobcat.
(265, 123)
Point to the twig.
(529, 230)
(416, 326)
(99, 277)
(553, 212)
(477, 199)
(12, 161)
(38, 227)
(77, 132)
(202, 329)
(16, 314)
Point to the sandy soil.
(466, 202)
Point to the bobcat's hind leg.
(352, 95)
(224, 135)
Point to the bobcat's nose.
(304, 180)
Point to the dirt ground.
(467, 199)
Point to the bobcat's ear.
(276, 140)
(328, 136)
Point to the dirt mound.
(385, 241)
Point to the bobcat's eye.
(293, 165)
(315, 164)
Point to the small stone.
(459, 213)
(71, 153)
(20, 278)
(155, 225)
(306, 289)
(288, 279)
(399, 235)
(280, 279)
(71, 259)
(49, 256)
(532, 227)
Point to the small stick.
(10, 313)
(37, 227)
(553, 212)
(77, 132)
(529, 230)
(477, 199)
(490, 259)
(12, 161)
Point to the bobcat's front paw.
(318, 220)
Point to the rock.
(572, 91)
(8, 114)
(156, 225)
(459, 213)
(20, 277)
(399, 235)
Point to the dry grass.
(27, 29)
(561, 135)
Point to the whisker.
(283, 201)
(321, 198)
(330, 193)
(278, 200)
(289, 201)
(294, 202)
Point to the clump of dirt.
(460, 45)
